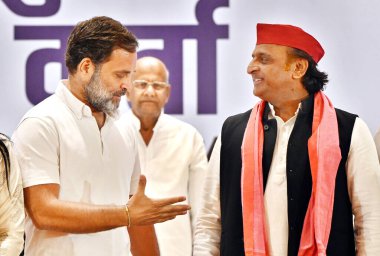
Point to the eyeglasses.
(143, 85)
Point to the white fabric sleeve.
(377, 142)
(37, 150)
(12, 212)
(363, 178)
(197, 174)
(208, 227)
(136, 169)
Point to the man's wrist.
(128, 216)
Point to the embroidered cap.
(291, 36)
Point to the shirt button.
(291, 171)
(291, 228)
(266, 127)
(291, 199)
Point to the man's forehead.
(151, 73)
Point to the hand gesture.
(145, 211)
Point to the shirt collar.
(272, 112)
(134, 120)
(79, 109)
(303, 106)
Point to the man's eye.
(142, 84)
(158, 86)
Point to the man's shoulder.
(344, 114)
(49, 107)
(234, 126)
(50, 116)
(346, 120)
(173, 122)
(241, 118)
(346, 123)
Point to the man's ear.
(168, 91)
(300, 68)
(86, 68)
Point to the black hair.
(313, 80)
(96, 38)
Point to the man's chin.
(116, 101)
(150, 113)
(114, 113)
(257, 92)
(114, 110)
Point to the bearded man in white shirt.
(172, 153)
(287, 176)
(79, 169)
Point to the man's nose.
(126, 83)
(252, 67)
(125, 86)
(149, 89)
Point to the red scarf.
(324, 157)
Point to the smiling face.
(110, 81)
(149, 101)
(273, 73)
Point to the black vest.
(341, 240)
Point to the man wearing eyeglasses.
(172, 152)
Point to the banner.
(206, 45)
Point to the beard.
(101, 99)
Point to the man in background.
(172, 153)
(79, 169)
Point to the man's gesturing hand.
(145, 211)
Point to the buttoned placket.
(276, 202)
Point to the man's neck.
(287, 109)
(100, 118)
(146, 127)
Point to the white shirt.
(12, 212)
(363, 179)
(58, 141)
(276, 192)
(175, 164)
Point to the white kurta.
(276, 192)
(174, 164)
(12, 212)
(59, 141)
(363, 180)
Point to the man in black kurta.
(287, 79)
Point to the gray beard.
(99, 98)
